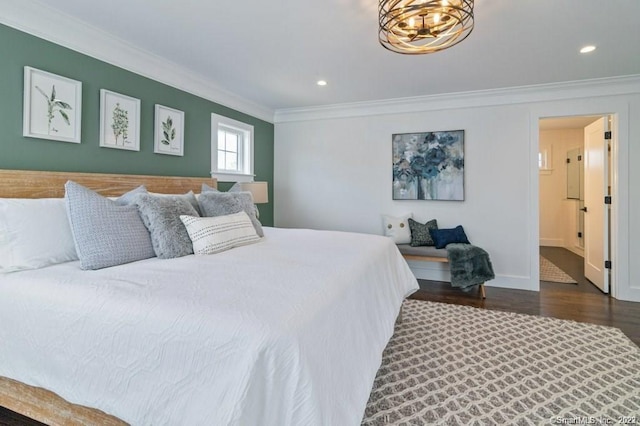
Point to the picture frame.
(168, 132)
(119, 121)
(52, 107)
(428, 165)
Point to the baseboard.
(577, 250)
(514, 282)
(552, 242)
(440, 272)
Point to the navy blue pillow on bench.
(442, 237)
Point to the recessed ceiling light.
(587, 49)
(321, 82)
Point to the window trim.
(247, 175)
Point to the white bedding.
(289, 331)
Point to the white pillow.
(211, 235)
(397, 228)
(34, 233)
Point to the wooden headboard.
(37, 184)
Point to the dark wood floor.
(582, 302)
(9, 418)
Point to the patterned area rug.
(550, 272)
(459, 365)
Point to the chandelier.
(415, 27)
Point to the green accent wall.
(18, 49)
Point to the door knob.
(584, 209)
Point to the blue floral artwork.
(428, 166)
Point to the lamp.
(415, 27)
(259, 191)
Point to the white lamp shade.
(259, 190)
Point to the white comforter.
(288, 331)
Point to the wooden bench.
(428, 254)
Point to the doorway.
(574, 173)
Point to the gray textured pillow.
(105, 233)
(420, 235)
(214, 204)
(161, 216)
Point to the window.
(231, 150)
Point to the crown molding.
(49, 24)
(42, 21)
(610, 86)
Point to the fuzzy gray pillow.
(161, 216)
(189, 196)
(104, 232)
(214, 204)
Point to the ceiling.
(273, 52)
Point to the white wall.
(333, 169)
(336, 174)
(558, 215)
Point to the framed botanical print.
(168, 131)
(119, 121)
(52, 106)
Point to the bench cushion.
(428, 251)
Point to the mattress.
(288, 331)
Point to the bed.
(287, 331)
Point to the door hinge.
(579, 157)
(568, 160)
(579, 234)
(607, 199)
(607, 264)
(607, 135)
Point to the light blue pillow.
(105, 232)
(207, 188)
(129, 197)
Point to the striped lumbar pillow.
(215, 234)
